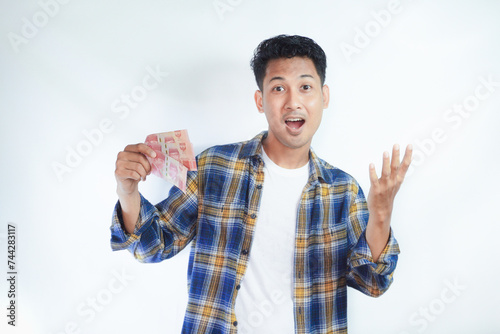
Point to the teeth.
(294, 120)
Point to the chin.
(296, 144)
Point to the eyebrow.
(302, 76)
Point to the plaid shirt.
(218, 214)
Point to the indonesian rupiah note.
(174, 156)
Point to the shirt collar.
(319, 170)
(252, 147)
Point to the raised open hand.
(384, 189)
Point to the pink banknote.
(175, 144)
(174, 156)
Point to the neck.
(284, 156)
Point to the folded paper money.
(174, 156)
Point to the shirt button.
(259, 186)
(244, 252)
(238, 287)
(235, 323)
(253, 215)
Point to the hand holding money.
(168, 155)
(174, 156)
(132, 166)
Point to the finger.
(386, 166)
(395, 159)
(138, 168)
(373, 175)
(141, 148)
(146, 151)
(133, 170)
(134, 156)
(406, 162)
(127, 174)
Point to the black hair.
(286, 46)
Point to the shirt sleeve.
(163, 230)
(371, 278)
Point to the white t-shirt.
(265, 300)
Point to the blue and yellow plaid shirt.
(218, 214)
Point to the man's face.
(293, 100)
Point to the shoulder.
(335, 177)
(228, 155)
(234, 151)
(222, 171)
(223, 150)
(226, 151)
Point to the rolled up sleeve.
(371, 278)
(120, 238)
(162, 230)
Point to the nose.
(293, 101)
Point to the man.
(277, 233)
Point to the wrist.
(130, 205)
(126, 191)
(382, 221)
(128, 199)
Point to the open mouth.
(295, 123)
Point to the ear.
(258, 101)
(326, 96)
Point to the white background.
(62, 78)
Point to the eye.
(306, 87)
(279, 88)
